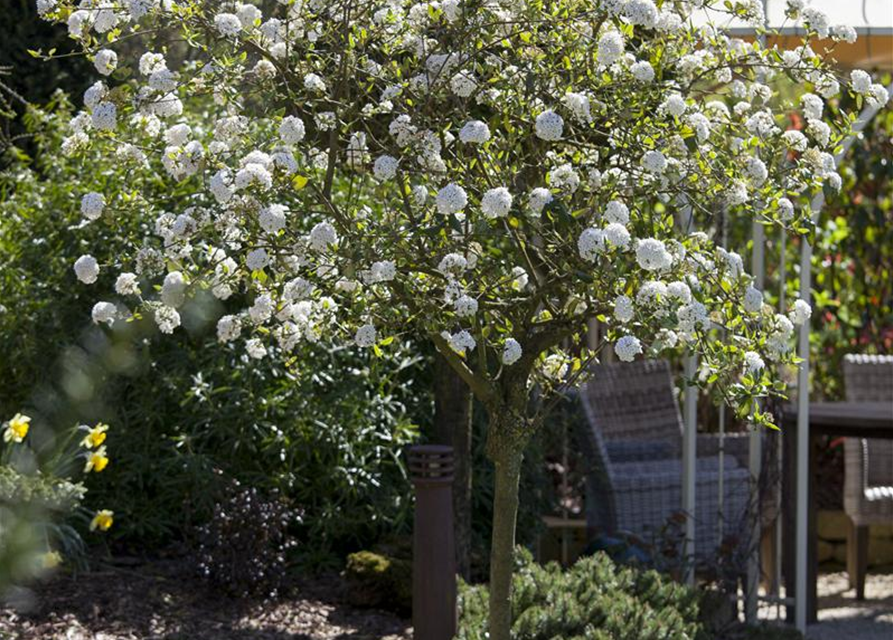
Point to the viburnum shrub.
(492, 173)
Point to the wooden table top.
(863, 419)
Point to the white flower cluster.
(481, 192)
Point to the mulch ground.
(164, 600)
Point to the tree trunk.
(452, 425)
(505, 446)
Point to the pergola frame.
(689, 452)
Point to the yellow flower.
(96, 461)
(17, 428)
(95, 437)
(51, 559)
(102, 520)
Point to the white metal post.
(802, 512)
(689, 464)
(755, 456)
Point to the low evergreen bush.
(594, 599)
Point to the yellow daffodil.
(17, 428)
(95, 437)
(96, 461)
(51, 559)
(102, 520)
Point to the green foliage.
(378, 580)
(592, 600)
(324, 430)
(853, 259)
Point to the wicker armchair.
(868, 480)
(633, 437)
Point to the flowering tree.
(492, 173)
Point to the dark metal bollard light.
(434, 614)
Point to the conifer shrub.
(594, 599)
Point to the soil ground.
(164, 600)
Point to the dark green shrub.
(326, 431)
(592, 600)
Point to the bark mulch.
(164, 600)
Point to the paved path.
(842, 617)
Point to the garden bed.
(165, 600)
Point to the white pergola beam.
(803, 440)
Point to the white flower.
(228, 24)
(812, 106)
(262, 309)
(313, 82)
(878, 96)
(753, 363)
(461, 342)
(452, 264)
(248, 14)
(173, 290)
(228, 328)
(272, 218)
(475, 132)
(538, 199)
(151, 62)
(627, 348)
(756, 170)
(618, 235)
(591, 243)
(167, 319)
(753, 300)
(680, 291)
(549, 126)
(785, 209)
(451, 199)
(555, 366)
(578, 105)
(800, 312)
(654, 162)
(652, 255)
(466, 306)
(496, 203)
(616, 211)
(610, 48)
(105, 61)
(511, 352)
(178, 135)
(105, 116)
(291, 130)
(221, 186)
(255, 348)
(564, 177)
(844, 32)
(674, 105)
(365, 336)
(92, 205)
(642, 71)
(860, 81)
(795, 140)
(623, 309)
(322, 236)
(385, 168)
(127, 284)
(104, 312)
(521, 279)
(86, 269)
(463, 84)
(257, 259)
